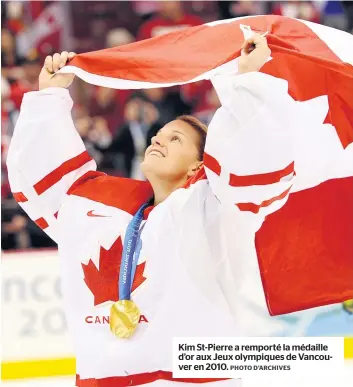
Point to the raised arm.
(46, 154)
(249, 150)
(262, 144)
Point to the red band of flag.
(19, 197)
(260, 179)
(212, 164)
(255, 208)
(42, 223)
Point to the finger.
(56, 61)
(246, 43)
(255, 39)
(63, 59)
(72, 55)
(248, 46)
(259, 40)
(48, 64)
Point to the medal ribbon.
(130, 254)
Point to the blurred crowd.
(115, 125)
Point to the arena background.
(35, 341)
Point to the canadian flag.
(46, 31)
(305, 250)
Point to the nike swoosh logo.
(90, 213)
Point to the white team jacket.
(198, 273)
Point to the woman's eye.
(175, 138)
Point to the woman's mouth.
(155, 152)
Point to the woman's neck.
(162, 189)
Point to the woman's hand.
(254, 54)
(48, 78)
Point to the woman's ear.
(194, 168)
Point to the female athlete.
(143, 262)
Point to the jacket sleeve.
(46, 156)
(262, 144)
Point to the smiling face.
(174, 154)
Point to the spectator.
(109, 104)
(332, 14)
(14, 234)
(27, 79)
(5, 140)
(6, 103)
(145, 9)
(128, 147)
(9, 56)
(348, 8)
(13, 16)
(231, 9)
(99, 134)
(167, 101)
(298, 9)
(118, 37)
(170, 17)
(18, 231)
(202, 98)
(91, 136)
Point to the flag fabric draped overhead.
(305, 250)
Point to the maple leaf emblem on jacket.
(103, 281)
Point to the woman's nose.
(157, 141)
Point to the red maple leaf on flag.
(103, 282)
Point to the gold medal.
(124, 314)
(124, 318)
(348, 306)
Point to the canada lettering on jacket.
(105, 319)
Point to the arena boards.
(40, 346)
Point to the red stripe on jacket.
(58, 173)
